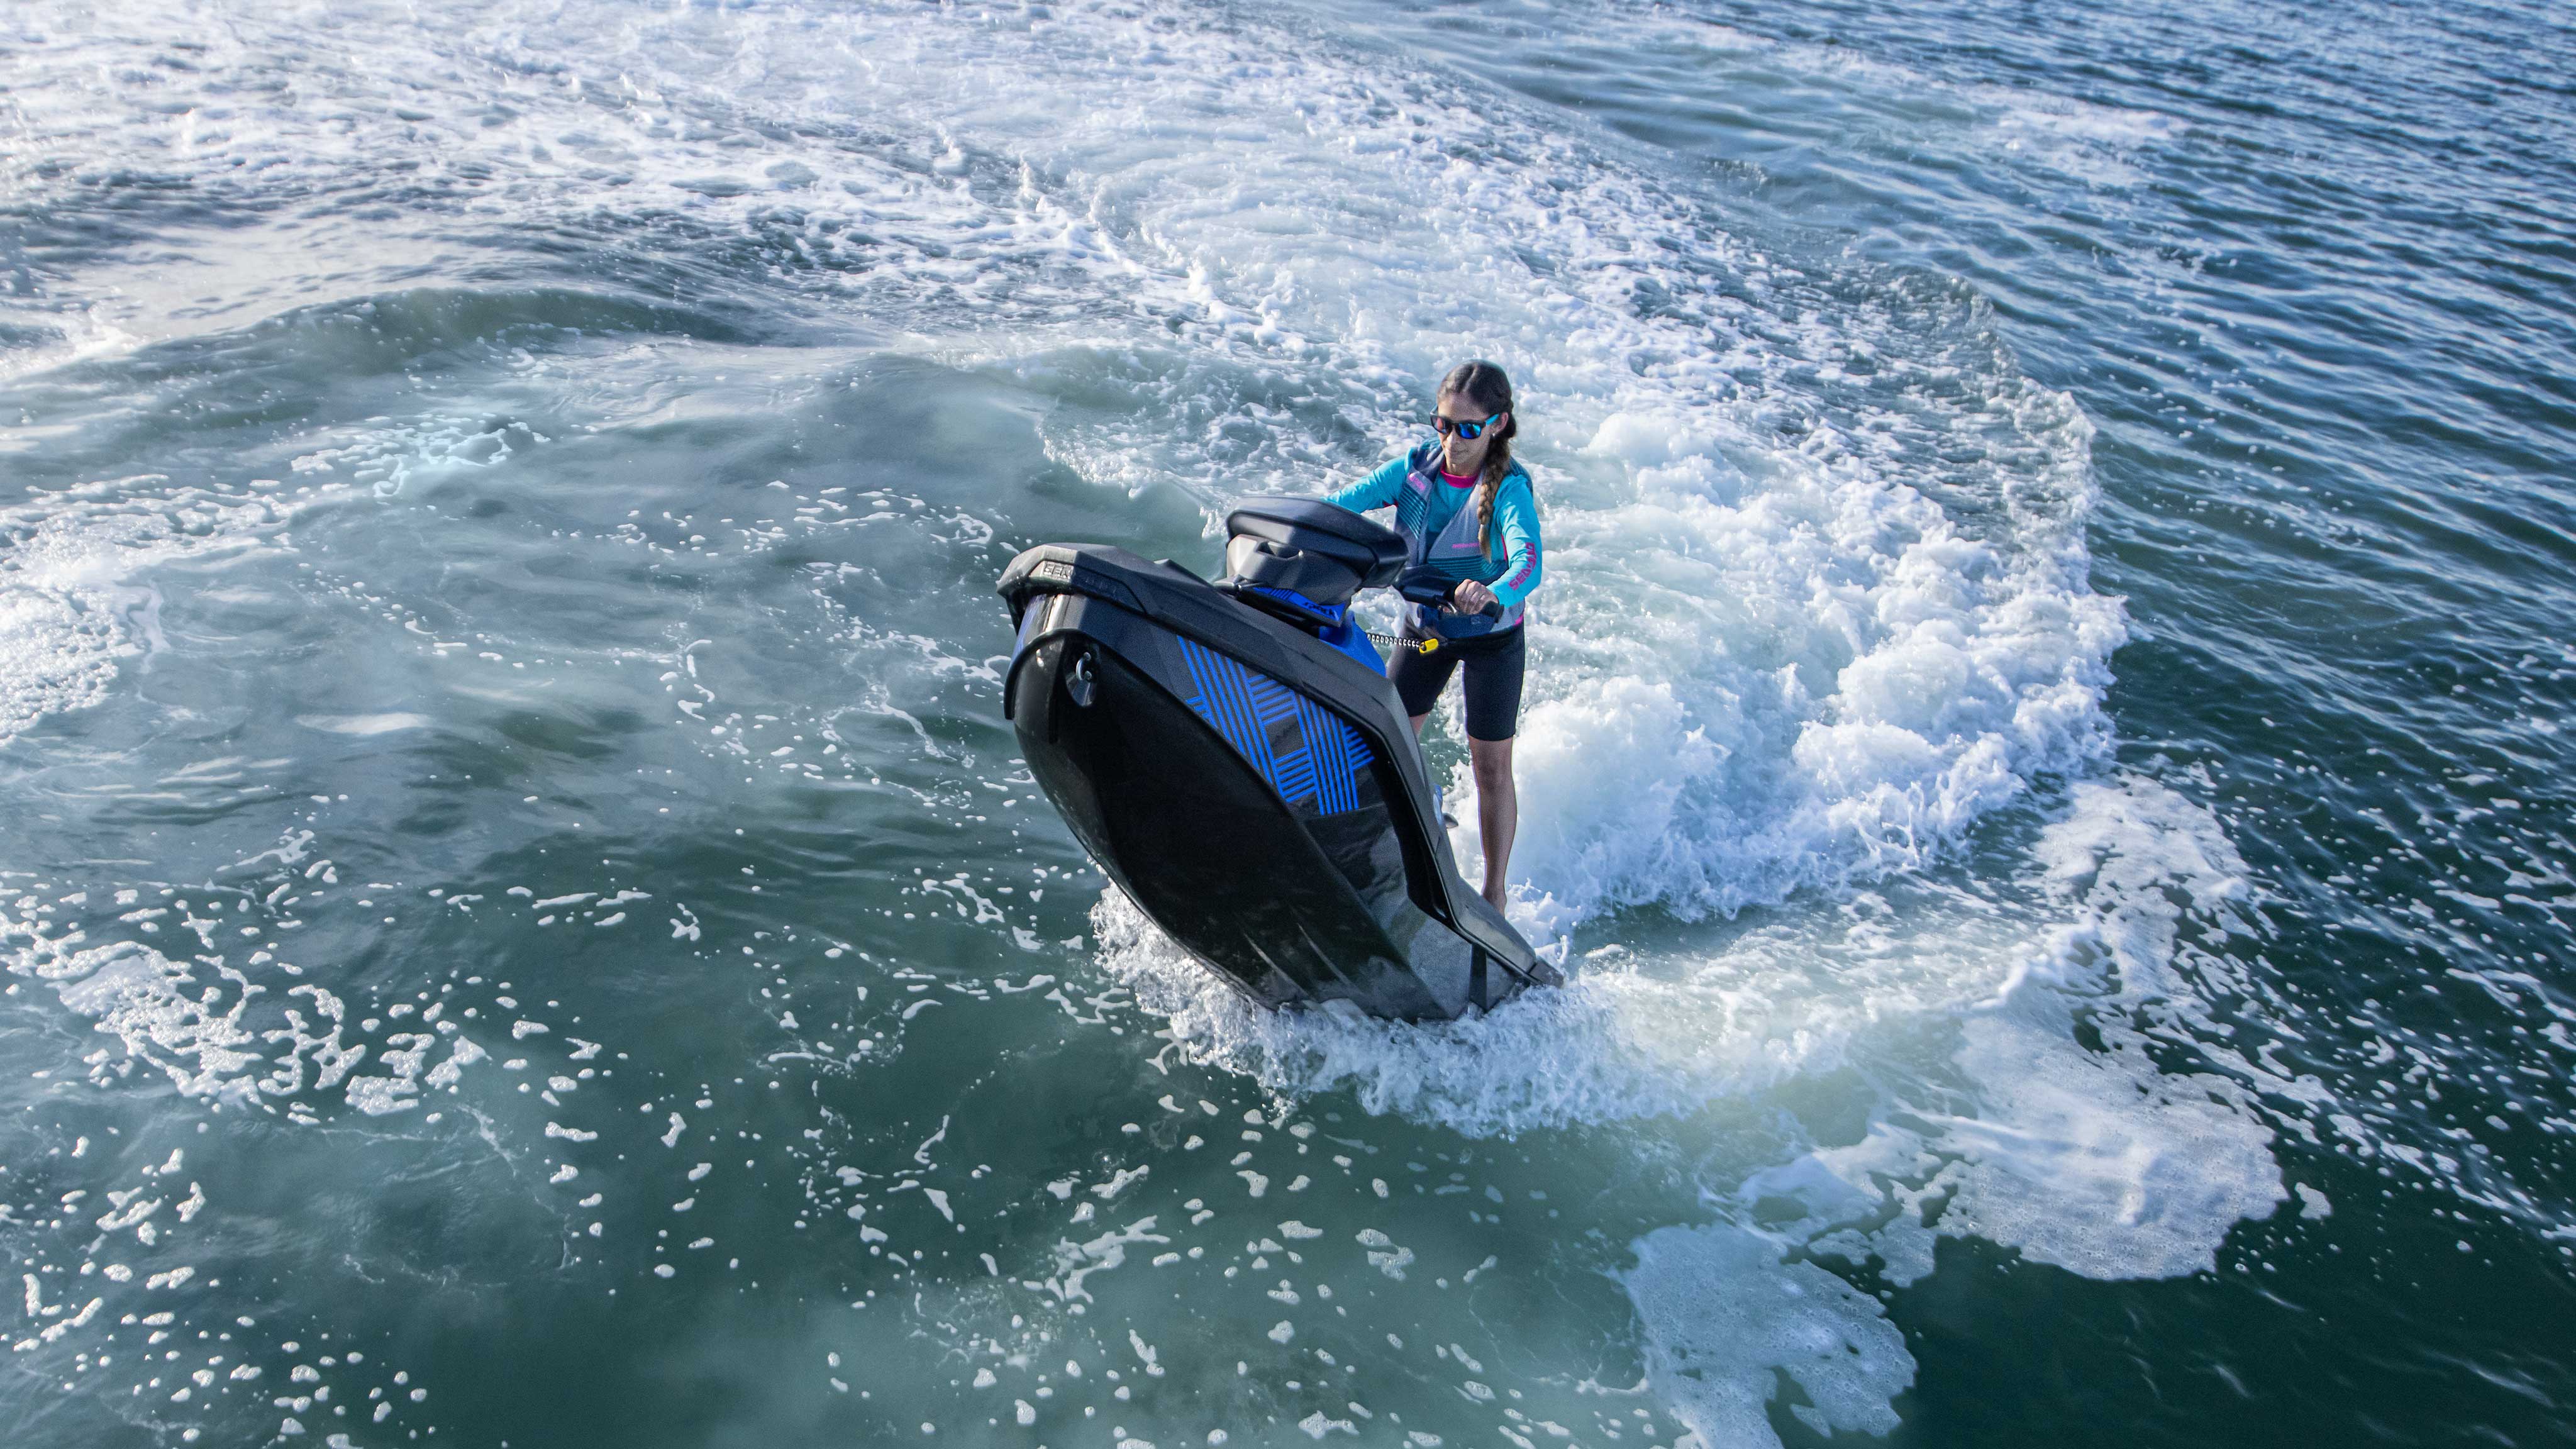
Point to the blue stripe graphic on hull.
(1319, 756)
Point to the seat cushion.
(1373, 553)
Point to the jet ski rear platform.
(1255, 790)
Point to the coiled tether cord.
(1392, 644)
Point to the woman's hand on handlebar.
(1470, 597)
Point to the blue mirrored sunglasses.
(1467, 432)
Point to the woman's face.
(1456, 454)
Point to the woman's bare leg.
(1498, 809)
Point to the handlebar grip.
(1430, 590)
(1430, 594)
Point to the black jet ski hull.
(1280, 834)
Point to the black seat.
(1311, 548)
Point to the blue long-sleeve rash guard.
(1515, 515)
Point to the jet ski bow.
(1232, 756)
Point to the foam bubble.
(134, 993)
(1817, 678)
(54, 656)
(365, 724)
(204, 1025)
(1664, 1035)
(70, 606)
(2096, 1161)
(1725, 1317)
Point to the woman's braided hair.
(1484, 385)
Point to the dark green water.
(2045, 756)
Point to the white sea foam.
(1715, 1354)
(54, 656)
(2097, 1162)
(1878, 102)
(203, 1023)
(365, 724)
(1816, 678)
(2083, 1154)
(75, 592)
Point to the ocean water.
(2046, 758)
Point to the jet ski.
(1232, 755)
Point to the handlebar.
(1432, 590)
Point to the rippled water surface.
(2046, 753)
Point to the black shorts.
(1494, 664)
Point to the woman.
(1467, 511)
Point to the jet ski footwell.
(1255, 791)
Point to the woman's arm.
(1516, 518)
(1377, 490)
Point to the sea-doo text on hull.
(1254, 788)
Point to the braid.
(1484, 384)
(1498, 461)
